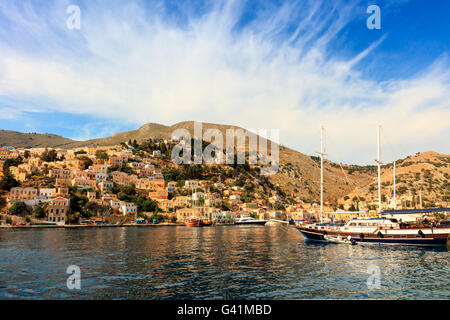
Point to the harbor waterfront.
(229, 262)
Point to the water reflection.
(238, 262)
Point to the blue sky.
(288, 65)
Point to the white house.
(198, 195)
(100, 177)
(191, 184)
(47, 192)
(127, 208)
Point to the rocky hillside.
(427, 172)
(299, 175)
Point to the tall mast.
(379, 169)
(420, 195)
(193, 202)
(322, 153)
(395, 202)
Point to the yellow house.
(181, 201)
(105, 186)
(18, 173)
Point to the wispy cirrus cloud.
(271, 66)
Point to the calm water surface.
(228, 262)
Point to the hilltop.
(31, 140)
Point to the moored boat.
(194, 223)
(339, 239)
(379, 231)
(249, 221)
(207, 223)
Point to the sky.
(288, 65)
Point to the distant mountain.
(149, 130)
(31, 140)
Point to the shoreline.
(78, 226)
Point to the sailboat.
(376, 230)
(194, 221)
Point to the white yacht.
(249, 220)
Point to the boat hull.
(250, 223)
(428, 241)
(194, 223)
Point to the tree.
(127, 170)
(77, 204)
(90, 207)
(39, 211)
(2, 202)
(11, 162)
(72, 217)
(279, 206)
(145, 204)
(239, 182)
(8, 182)
(17, 208)
(172, 174)
(86, 161)
(49, 155)
(101, 155)
(157, 217)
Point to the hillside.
(427, 173)
(299, 174)
(31, 140)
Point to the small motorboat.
(339, 239)
(249, 221)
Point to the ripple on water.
(211, 263)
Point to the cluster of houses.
(179, 199)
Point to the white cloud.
(145, 66)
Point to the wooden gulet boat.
(376, 230)
(193, 221)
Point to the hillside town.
(132, 183)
